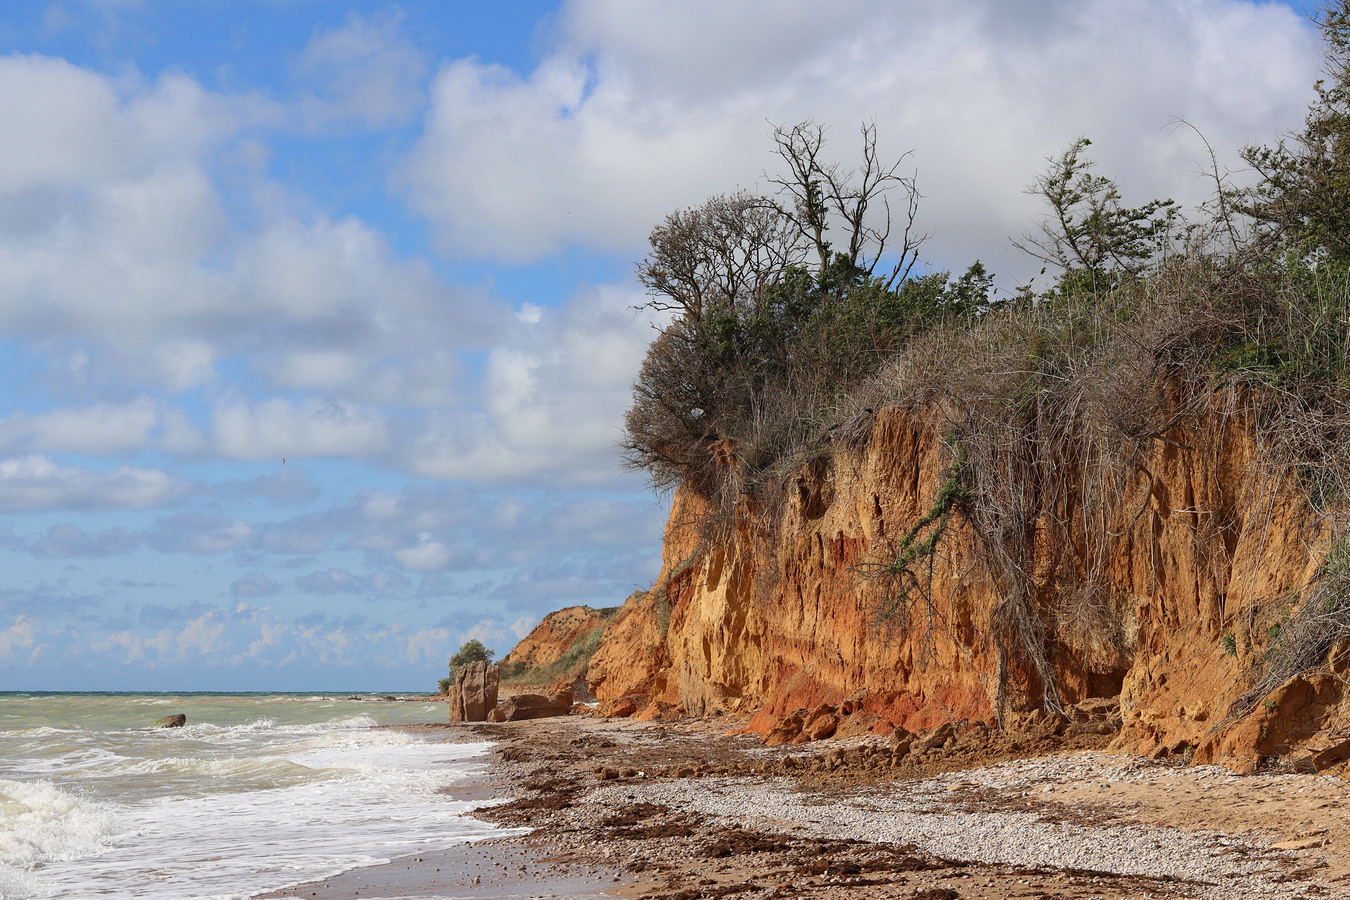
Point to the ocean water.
(257, 792)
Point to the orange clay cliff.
(1172, 608)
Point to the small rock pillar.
(474, 693)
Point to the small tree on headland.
(471, 651)
(1089, 234)
(1302, 201)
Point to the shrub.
(470, 651)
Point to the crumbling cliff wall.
(1165, 596)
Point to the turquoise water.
(257, 792)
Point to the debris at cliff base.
(692, 814)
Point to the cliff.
(559, 648)
(1170, 599)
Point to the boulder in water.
(177, 720)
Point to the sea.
(257, 792)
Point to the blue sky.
(317, 320)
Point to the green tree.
(471, 651)
(1089, 234)
(1302, 200)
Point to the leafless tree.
(815, 193)
(723, 254)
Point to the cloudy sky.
(316, 319)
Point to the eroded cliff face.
(1165, 598)
(556, 650)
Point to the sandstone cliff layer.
(558, 649)
(1169, 598)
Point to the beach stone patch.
(997, 815)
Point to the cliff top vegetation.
(802, 315)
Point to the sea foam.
(240, 807)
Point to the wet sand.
(502, 869)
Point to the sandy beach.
(678, 810)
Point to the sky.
(318, 320)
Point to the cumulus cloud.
(104, 428)
(341, 581)
(37, 483)
(637, 111)
(365, 71)
(254, 584)
(17, 640)
(523, 626)
(116, 234)
(278, 429)
(427, 555)
(288, 484)
(66, 540)
(200, 533)
(428, 646)
(553, 396)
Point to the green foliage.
(1088, 234)
(1303, 197)
(774, 326)
(573, 661)
(903, 573)
(471, 651)
(788, 341)
(950, 495)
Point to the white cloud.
(553, 397)
(201, 533)
(428, 555)
(341, 581)
(17, 640)
(639, 111)
(118, 250)
(523, 626)
(365, 71)
(280, 429)
(184, 363)
(254, 584)
(67, 540)
(103, 428)
(428, 646)
(490, 631)
(36, 483)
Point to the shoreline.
(675, 810)
(505, 867)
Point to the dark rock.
(177, 720)
(474, 692)
(935, 738)
(821, 726)
(532, 706)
